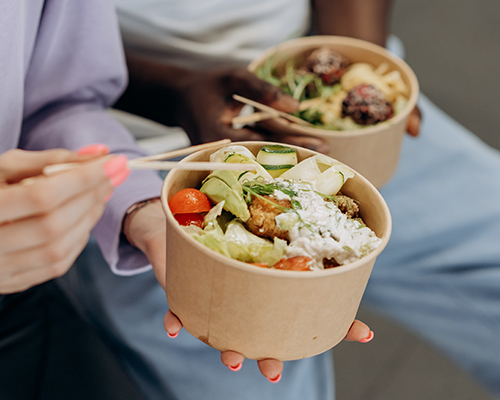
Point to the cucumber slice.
(277, 159)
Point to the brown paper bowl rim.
(360, 44)
(232, 263)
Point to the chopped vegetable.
(277, 159)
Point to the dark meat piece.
(366, 105)
(262, 214)
(330, 263)
(328, 64)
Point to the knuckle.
(53, 254)
(50, 226)
(39, 199)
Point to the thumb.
(246, 84)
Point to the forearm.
(362, 19)
(154, 90)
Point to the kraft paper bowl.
(265, 313)
(372, 151)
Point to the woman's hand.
(45, 221)
(270, 368)
(146, 229)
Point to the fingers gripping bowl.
(264, 312)
(374, 149)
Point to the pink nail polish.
(236, 367)
(108, 197)
(97, 149)
(275, 380)
(367, 339)
(115, 166)
(120, 177)
(172, 335)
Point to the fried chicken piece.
(262, 214)
(347, 206)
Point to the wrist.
(129, 216)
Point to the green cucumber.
(277, 159)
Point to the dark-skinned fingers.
(43, 228)
(317, 144)
(413, 123)
(26, 278)
(246, 84)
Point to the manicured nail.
(367, 339)
(115, 167)
(236, 367)
(275, 380)
(97, 149)
(108, 197)
(120, 177)
(172, 335)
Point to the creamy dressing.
(320, 230)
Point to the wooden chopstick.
(161, 165)
(255, 117)
(193, 166)
(271, 110)
(180, 152)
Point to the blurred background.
(454, 48)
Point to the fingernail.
(172, 335)
(367, 339)
(120, 177)
(275, 380)
(236, 367)
(108, 197)
(115, 166)
(97, 149)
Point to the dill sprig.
(260, 189)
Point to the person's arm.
(361, 19)
(77, 69)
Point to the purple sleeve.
(77, 69)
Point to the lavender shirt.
(61, 65)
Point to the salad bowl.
(263, 312)
(372, 150)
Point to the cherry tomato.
(298, 263)
(189, 219)
(188, 201)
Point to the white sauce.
(320, 230)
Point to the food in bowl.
(286, 215)
(336, 94)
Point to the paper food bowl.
(372, 151)
(265, 313)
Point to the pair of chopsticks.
(265, 113)
(154, 161)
